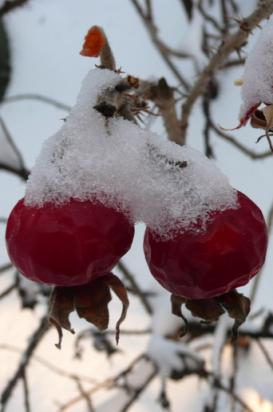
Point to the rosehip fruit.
(67, 244)
(201, 264)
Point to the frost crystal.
(115, 161)
(258, 76)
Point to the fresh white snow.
(258, 75)
(122, 165)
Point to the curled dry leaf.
(268, 114)
(235, 304)
(60, 306)
(90, 302)
(207, 309)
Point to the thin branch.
(110, 383)
(206, 106)
(9, 6)
(153, 32)
(130, 332)
(230, 139)
(224, 14)
(138, 391)
(232, 63)
(196, 329)
(235, 368)
(132, 393)
(34, 341)
(21, 171)
(134, 285)
(149, 9)
(5, 267)
(26, 391)
(231, 43)
(38, 97)
(8, 290)
(218, 384)
(265, 353)
(209, 18)
(85, 395)
(53, 368)
(163, 96)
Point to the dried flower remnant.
(93, 42)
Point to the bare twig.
(134, 285)
(21, 171)
(39, 98)
(53, 368)
(153, 32)
(9, 5)
(232, 63)
(9, 289)
(265, 353)
(231, 43)
(207, 127)
(116, 381)
(85, 395)
(163, 96)
(5, 267)
(26, 391)
(142, 366)
(208, 17)
(197, 329)
(34, 341)
(230, 139)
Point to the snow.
(163, 322)
(171, 356)
(220, 336)
(124, 166)
(258, 75)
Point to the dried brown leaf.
(237, 306)
(268, 114)
(207, 309)
(91, 302)
(60, 306)
(258, 120)
(119, 289)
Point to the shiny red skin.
(205, 264)
(67, 244)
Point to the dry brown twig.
(230, 44)
(10, 5)
(19, 374)
(163, 50)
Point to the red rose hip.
(67, 244)
(206, 263)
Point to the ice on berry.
(258, 74)
(112, 160)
